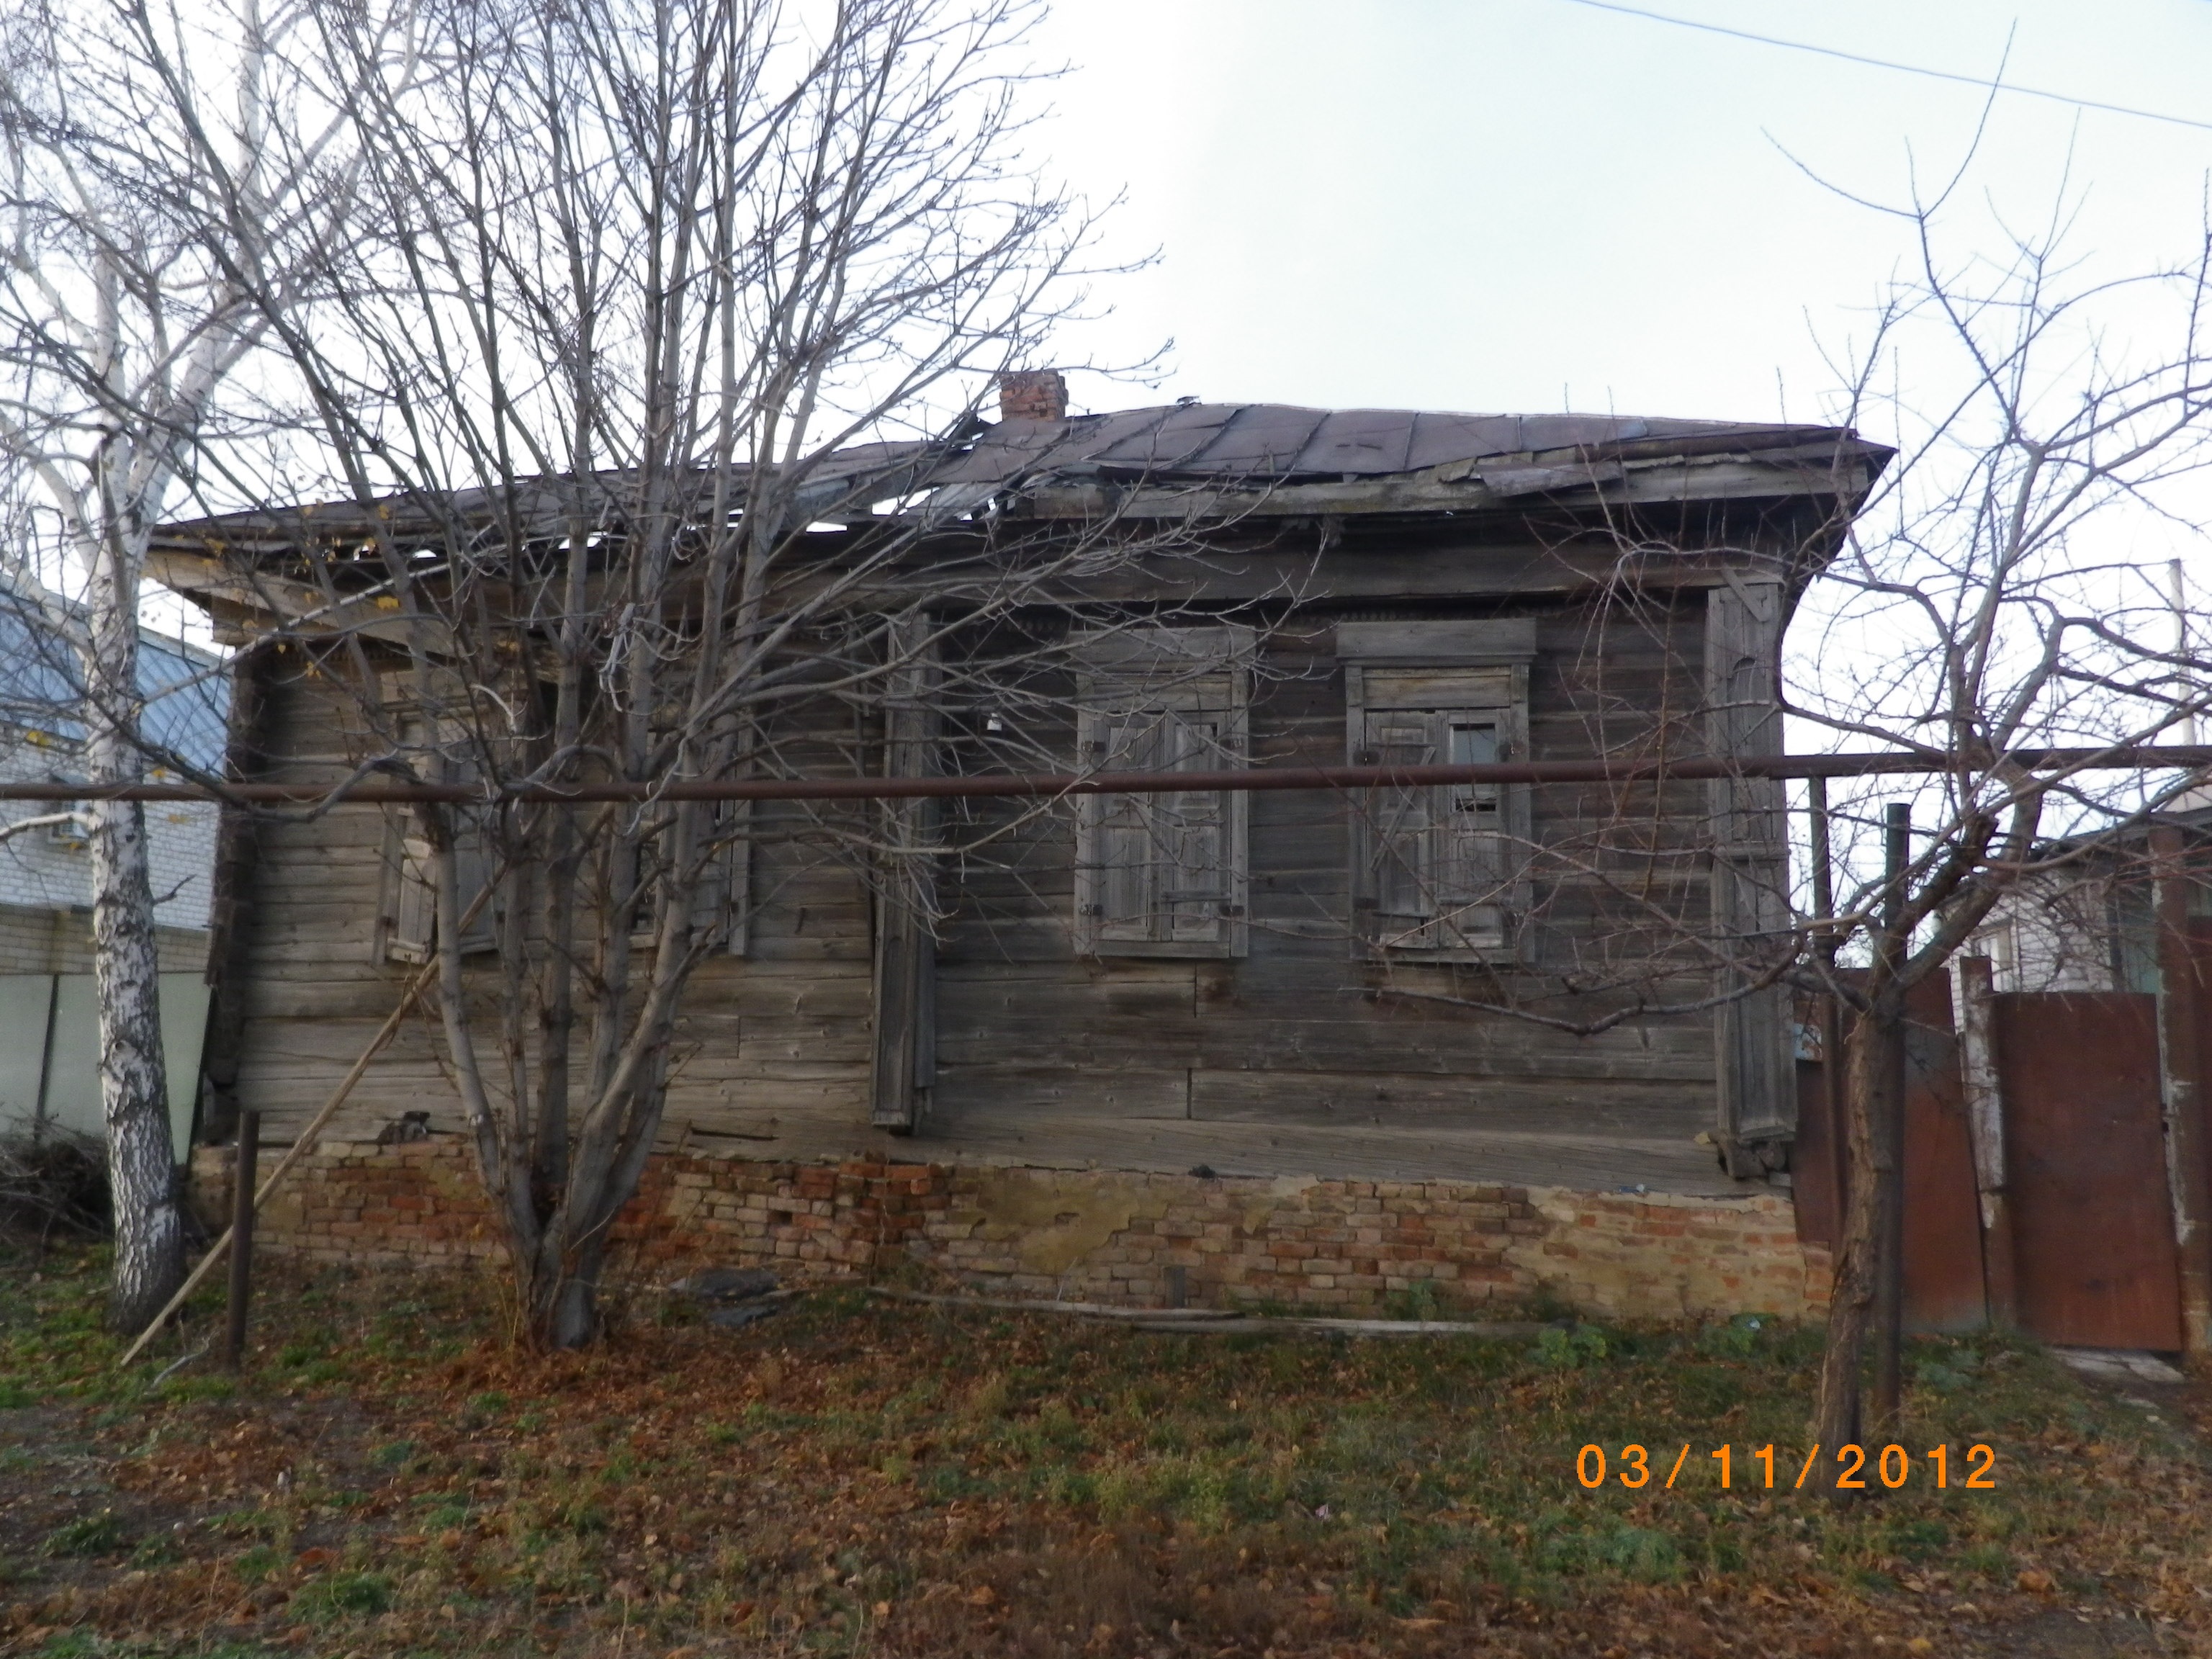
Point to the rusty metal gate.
(2085, 1151)
(1943, 1274)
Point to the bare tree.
(125, 327)
(2004, 588)
(1996, 596)
(649, 397)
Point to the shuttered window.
(409, 930)
(1440, 863)
(1164, 874)
(1439, 872)
(719, 908)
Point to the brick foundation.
(1102, 1236)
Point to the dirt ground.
(855, 1476)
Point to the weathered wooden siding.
(1296, 1058)
(1293, 1060)
(772, 1044)
(315, 993)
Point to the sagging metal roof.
(1282, 443)
(1421, 460)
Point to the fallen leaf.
(2036, 1582)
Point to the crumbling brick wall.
(1335, 1246)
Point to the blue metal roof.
(188, 690)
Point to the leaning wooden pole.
(298, 1149)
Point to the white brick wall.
(37, 869)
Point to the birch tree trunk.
(149, 1234)
(167, 197)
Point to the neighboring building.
(2087, 924)
(49, 1016)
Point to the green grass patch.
(344, 1594)
(89, 1534)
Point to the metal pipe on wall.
(2129, 758)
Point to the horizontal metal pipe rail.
(1907, 763)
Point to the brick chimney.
(1033, 394)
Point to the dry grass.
(857, 1478)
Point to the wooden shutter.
(410, 910)
(1164, 874)
(722, 907)
(1124, 853)
(1439, 858)
(1439, 872)
(472, 871)
(720, 902)
(411, 913)
(1196, 896)
(1401, 879)
(1474, 839)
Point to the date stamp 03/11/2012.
(1893, 1466)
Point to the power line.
(1905, 69)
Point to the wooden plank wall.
(1286, 1062)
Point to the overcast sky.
(1522, 205)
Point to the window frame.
(406, 923)
(722, 905)
(1170, 672)
(1437, 671)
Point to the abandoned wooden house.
(1278, 985)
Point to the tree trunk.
(563, 1292)
(1871, 1076)
(560, 1279)
(141, 1160)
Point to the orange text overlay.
(1848, 1467)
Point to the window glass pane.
(1475, 745)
